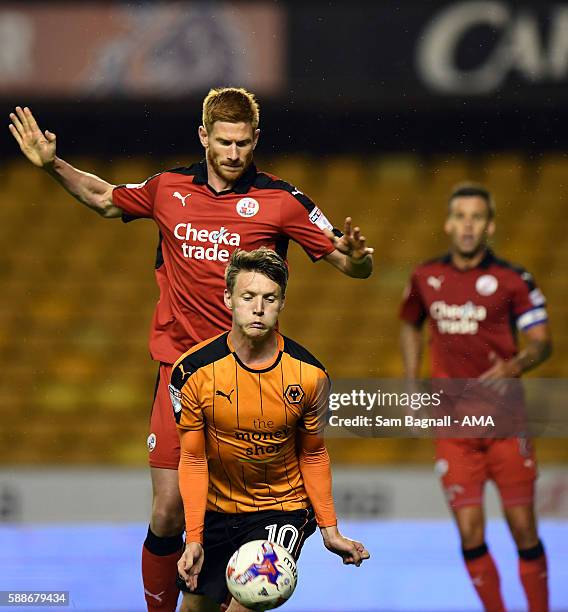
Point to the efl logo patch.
(151, 442)
(319, 219)
(247, 207)
(175, 397)
(536, 297)
(486, 285)
(294, 394)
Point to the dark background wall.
(464, 76)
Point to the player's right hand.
(190, 564)
(37, 146)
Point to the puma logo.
(225, 395)
(157, 597)
(178, 195)
(435, 282)
(184, 374)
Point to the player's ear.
(491, 228)
(255, 138)
(203, 136)
(448, 226)
(227, 299)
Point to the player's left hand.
(351, 551)
(351, 243)
(190, 564)
(496, 377)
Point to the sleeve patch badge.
(175, 397)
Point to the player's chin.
(232, 173)
(469, 250)
(256, 331)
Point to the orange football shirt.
(251, 417)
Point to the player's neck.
(253, 352)
(461, 262)
(218, 183)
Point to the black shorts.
(223, 533)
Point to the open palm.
(37, 146)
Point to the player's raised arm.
(351, 256)
(40, 148)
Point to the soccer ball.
(261, 575)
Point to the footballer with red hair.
(203, 212)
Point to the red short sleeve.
(303, 222)
(136, 199)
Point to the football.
(261, 575)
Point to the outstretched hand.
(351, 243)
(351, 551)
(190, 564)
(37, 146)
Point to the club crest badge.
(486, 285)
(247, 207)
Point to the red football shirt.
(199, 229)
(472, 313)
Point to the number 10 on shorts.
(288, 532)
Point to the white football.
(261, 575)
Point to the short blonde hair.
(231, 104)
(262, 260)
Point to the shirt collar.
(243, 184)
(487, 260)
(268, 365)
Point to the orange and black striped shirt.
(251, 417)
